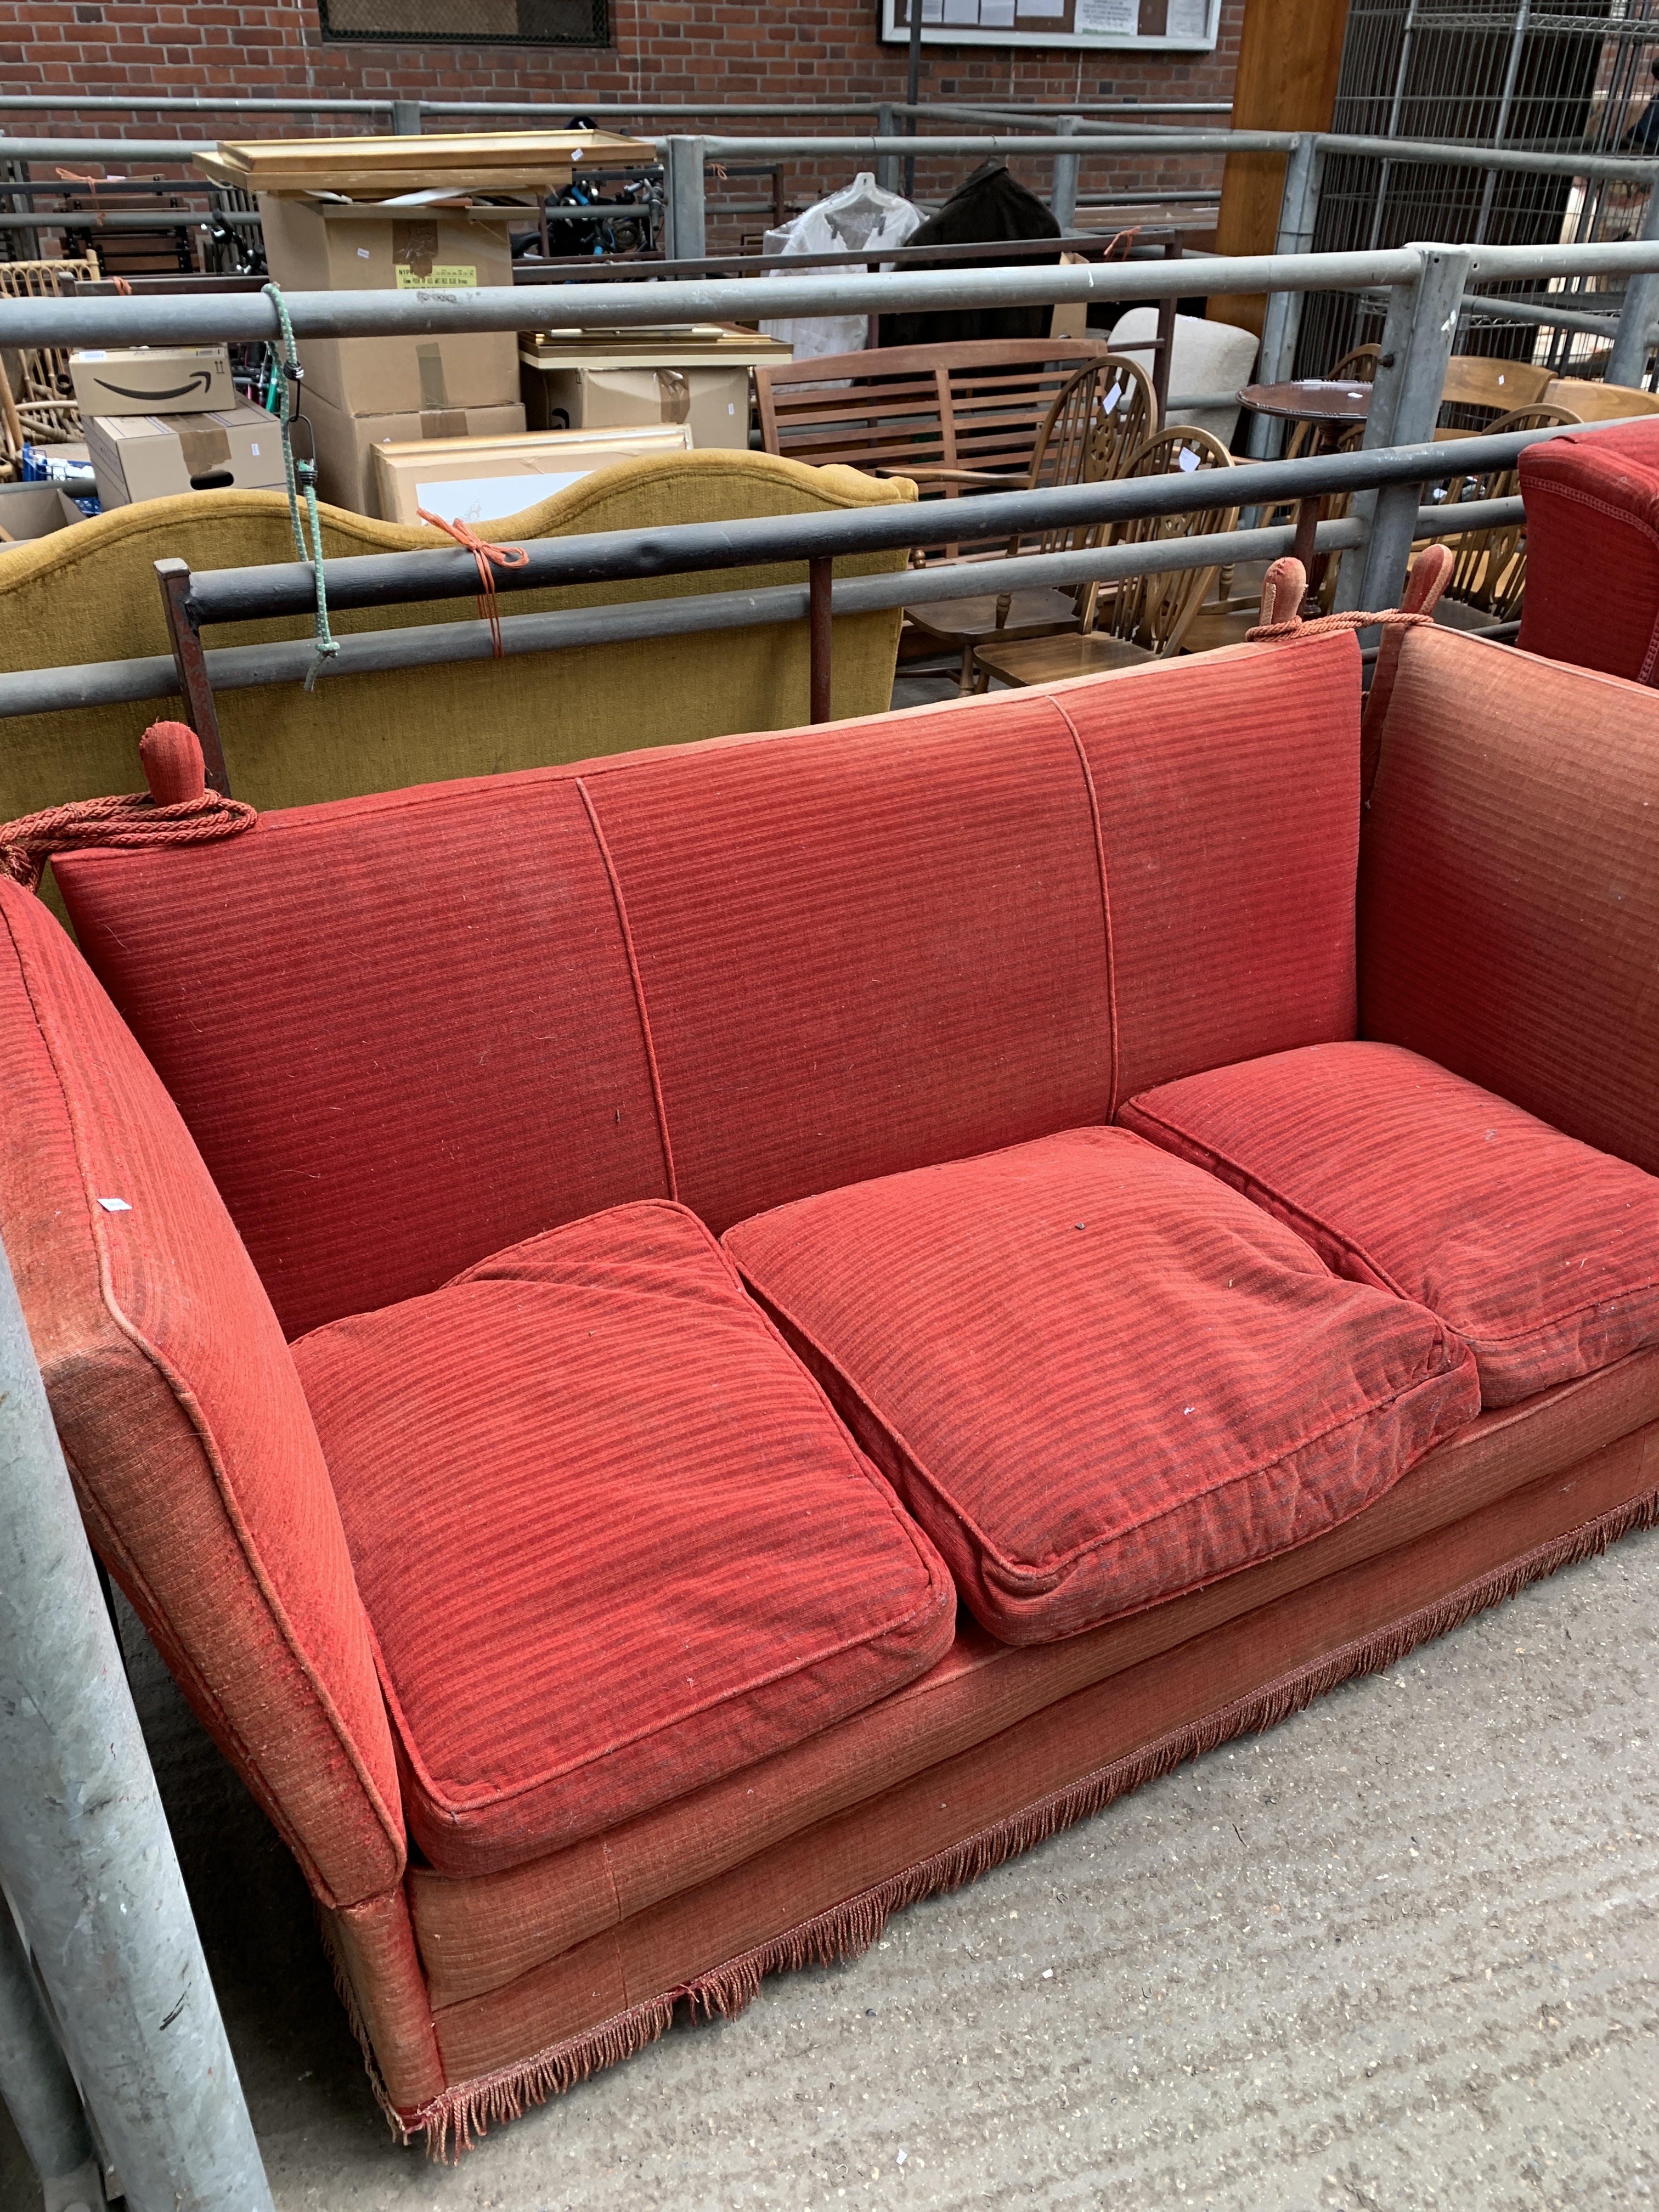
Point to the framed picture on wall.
(1157, 26)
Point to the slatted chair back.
(923, 410)
(1100, 418)
(1489, 566)
(1156, 611)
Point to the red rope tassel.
(489, 558)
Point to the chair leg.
(965, 683)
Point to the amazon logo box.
(153, 380)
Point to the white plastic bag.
(859, 217)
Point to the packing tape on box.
(435, 387)
(205, 447)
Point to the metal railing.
(1428, 286)
(202, 600)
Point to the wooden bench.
(946, 416)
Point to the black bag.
(989, 207)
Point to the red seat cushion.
(611, 1542)
(1097, 1375)
(1542, 1254)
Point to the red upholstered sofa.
(679, 1351)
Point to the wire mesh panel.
(475, 22)
(1558, 77)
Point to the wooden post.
(818, 634)
(1288, 54)
(190, 662)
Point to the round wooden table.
(1333, 407)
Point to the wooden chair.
(1599, 403)
(1100, 418)
(1141, 618)
(1489, 566)
(1225, 621)
(1482, 385)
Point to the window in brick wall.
(470, 23)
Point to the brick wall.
(674, 51)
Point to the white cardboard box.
(481, 480)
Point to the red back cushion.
(402, 1028)
(406, 1029)
(865, 948)
(1593, 550)
(182, 1415)
(1228, 787)
(1509, 906)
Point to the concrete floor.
(1400, 1952)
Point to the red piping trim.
(639, 985)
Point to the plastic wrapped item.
(858, 217)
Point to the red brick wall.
(674, 51)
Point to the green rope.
(302, 479)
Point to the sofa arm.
(1509, 885)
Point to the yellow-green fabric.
(90, 594)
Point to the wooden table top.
(1310, 401)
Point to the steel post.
(688, 227)
(1281, 322)
(84, 1848)
(1062, 195)
(405, 118)
(887, 165)
(37, 2087)
(1628, 361)
(1411, 374)
(913, 92)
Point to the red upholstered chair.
(1593, 550)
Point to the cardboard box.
(153, 380)
(344, 444)
(311, 246)
(140, 457)
(713, 402)
(479, 480)
(697, 373)
(28, 511)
